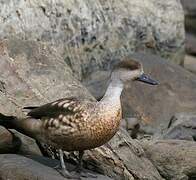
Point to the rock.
(97, 82)
(133, 127)
(174, 159)
(91, 33)
(123, 124)
(35, 74)
(156, 105)
(9, 143)
(190, 44)
(189, 7)
(190, 25)
(18, 168)
(182, 126)
(190, 63)
(28, 145)
(132, 123)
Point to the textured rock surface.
(22, 168)
(35, 73)
(190, 25)
(191, 44)
(28, 145)
(175, 159)
(8, 142)
(189, 7)
(190, 63)
(181, 126)
(123, 158)
(94, 31)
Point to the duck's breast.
(105, 127)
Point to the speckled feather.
(72, 124)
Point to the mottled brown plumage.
(74, 125)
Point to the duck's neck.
(113, 92)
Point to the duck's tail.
(7, 121)
(28, 126)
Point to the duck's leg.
(64, 171)
(79, 165)
(79, 168)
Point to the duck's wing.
(66, 106)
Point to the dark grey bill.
(146, 79)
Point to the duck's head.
(130, 69)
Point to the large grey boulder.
(94, 31)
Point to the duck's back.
(64, 123)
(72, 124)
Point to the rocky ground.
(50, 50)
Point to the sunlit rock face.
(89, 33)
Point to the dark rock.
(174, 159)
(191, 43)
(182, 126)
(22, 168)
(28, 145)
(190, 25)
(189, 7)
(8, 141)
